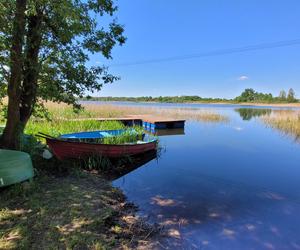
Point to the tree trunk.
(11, 134)
(31, 67)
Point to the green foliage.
(70, 32)
(250, 95)
(247, 96)
(2, 90)
(127, 137)
(3, 113)
(282, 95)
(31, 145)
(40, 111)
(291, 96)
(168, 99)
(58, 127)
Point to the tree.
(46, 44)
(291, 97)
(282, 95)
(247, 96)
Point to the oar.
(43, 135)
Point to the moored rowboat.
(64, 149)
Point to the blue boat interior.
(97, 134)
(108, 133)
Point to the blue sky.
(166, 28)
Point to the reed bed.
(59, 119)
(286, 121)
(201, 115)
(113, 111)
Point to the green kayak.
(15, 166)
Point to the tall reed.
(113, 111)
(286, 121)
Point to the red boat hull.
(78, 150)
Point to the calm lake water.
(232, 185)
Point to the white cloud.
(243, 78)
(238, 128)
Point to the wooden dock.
(152, 122)
(149, 122)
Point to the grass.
(286, 121)
(65, 207)
(57, 127)
(78, 211)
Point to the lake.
(230, 185)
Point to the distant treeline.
(248, 95)
(173, 99)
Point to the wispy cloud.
(243, 78)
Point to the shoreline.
(76, 210)
(254, 104)
(287, 105)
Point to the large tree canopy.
(44, 50)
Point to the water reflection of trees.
(248, 113)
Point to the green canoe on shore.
(15, 166)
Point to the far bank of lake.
(199, 104)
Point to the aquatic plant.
(62, 119)
(57, 127)
(111, 111)
(286, 121)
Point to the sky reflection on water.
(222, 186)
